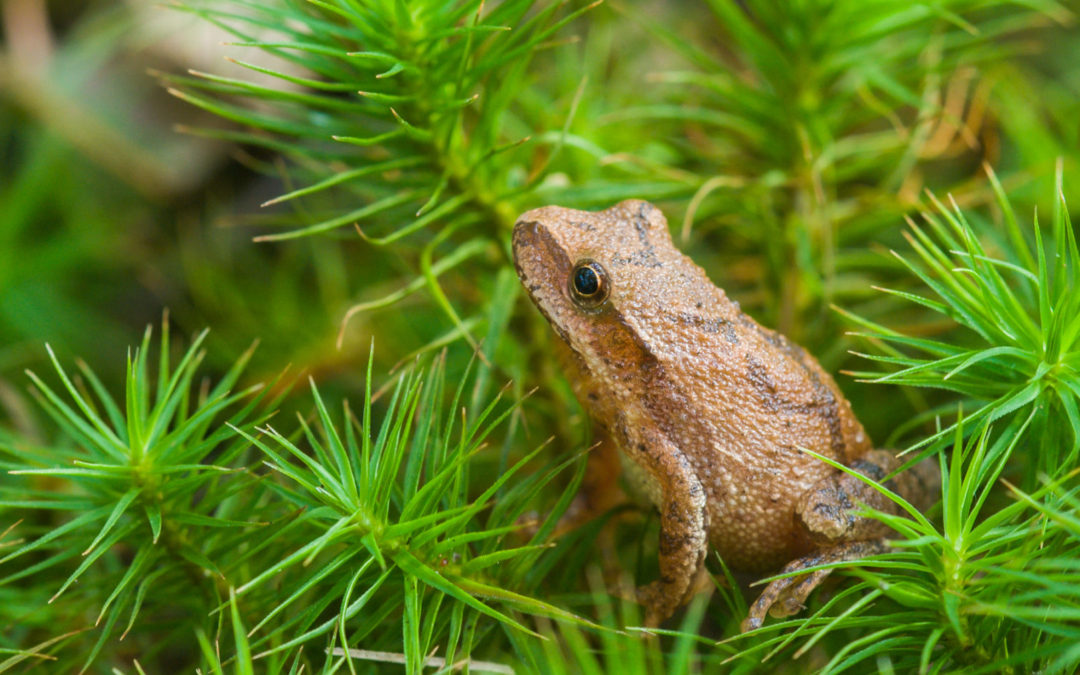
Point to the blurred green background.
(786, 142)
(109, 216)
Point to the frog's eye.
(589, 285)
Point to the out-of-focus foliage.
(149, 476)
(1022, 314)
(815, 126)
(200, 518)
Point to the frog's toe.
(659, 602)
(784, 597)
(790, 605)
(793, 599)
(787, 596)
(769, 597)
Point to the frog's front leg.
(683, 517)
(827, 516)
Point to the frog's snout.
(540, 255)
(523, 236)
(529, 226)
(522, 229)
(527, 244)
(531, 232)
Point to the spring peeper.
(708, 409)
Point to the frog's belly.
(752, 520)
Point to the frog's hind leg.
(827, 516)
(786, 596)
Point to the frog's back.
(740, 401)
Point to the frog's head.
(591, 273)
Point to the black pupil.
(586, 281)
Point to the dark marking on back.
(868, 469)
(826, 405)
(641, 224)
(829, 409)
(711, 326)
(758, 377)
(874, 472)
(646, 256)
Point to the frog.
(711, 413)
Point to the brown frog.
(708, 408)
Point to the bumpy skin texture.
(708, 406)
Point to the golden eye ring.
(589, 284)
